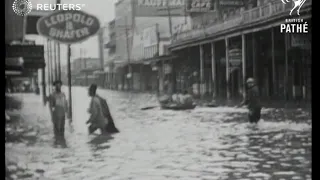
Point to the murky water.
(204, 143)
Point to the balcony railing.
(236, 18)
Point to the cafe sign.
(70, 26)
(200, 6)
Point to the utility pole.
(128, 47)
(58, 57)
(128, 54)
(55, 60)
(69, 82)
(170, 20)
(51, 64)
(86, 65)
(59, 62)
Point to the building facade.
(248, 42)
(132, 18)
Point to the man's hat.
(250, 80)
(57, 82)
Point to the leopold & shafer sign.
(70, 26)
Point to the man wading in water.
(252, 101)
(100, 115)
(58, 108)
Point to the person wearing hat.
(252, 101)
(59, 109)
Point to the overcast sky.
(103, 9)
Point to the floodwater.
(199, 144)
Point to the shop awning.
(9, 72)
(33, 55)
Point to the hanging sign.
(69, 27)
(235, 57)
(200, 5)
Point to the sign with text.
(68, 27)
(200, 5)
(235, 57)
(159, 7)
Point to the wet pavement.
(204, 143)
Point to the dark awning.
(33, 55)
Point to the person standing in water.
(59, 109)
(252, 101)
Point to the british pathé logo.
(297, 25)
(297, 4)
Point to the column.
(214, 72)
(141, 78)
(227, 69)
(254, 55)
(244, 74)
(286, 76)
(201, 89)
(274, 78)
(44, 89)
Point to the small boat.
(173, 106)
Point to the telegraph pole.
(58, 60)
(170, 19)
(128, 54)
(85, 65)
(69, 81)
(55, 60)
(50, 64)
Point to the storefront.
(250, 44)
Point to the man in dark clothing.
(252, 101)
(100, 115)
(58, 108)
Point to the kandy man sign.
(69, 26)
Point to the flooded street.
(204, 143)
